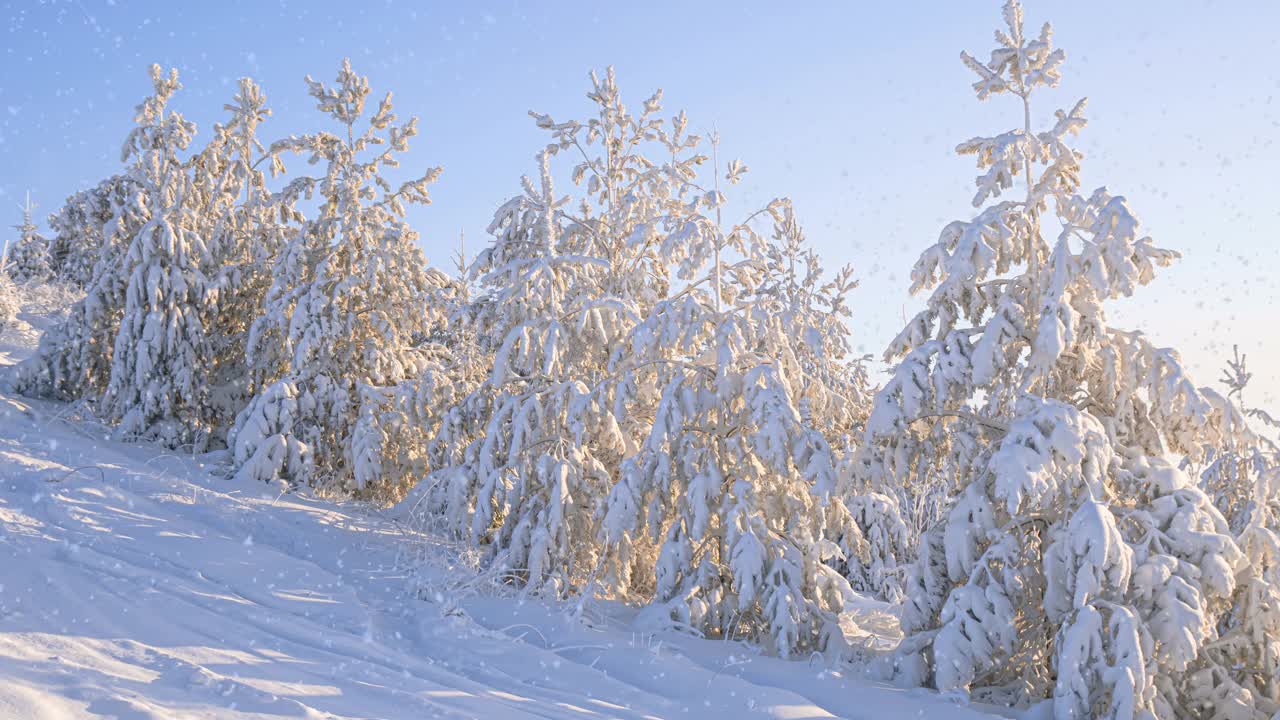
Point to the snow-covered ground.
(40, 305)
(136, 584)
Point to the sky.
(851, 109)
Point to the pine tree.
(527, 457)
(157, 387)
(28, 257)
(524, 471)
(1235, 474)
(348, 298)
(615, 325)
(399, 435)
(9, 302)
(87, 223)
(157, 345)
(724, 517)
(1074, 562)
(246, 226)
(199, 272)
(1243, 478)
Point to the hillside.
(138, 584)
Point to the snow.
(622, 397)
(39, 308)
(138, 583)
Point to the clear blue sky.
(853, 109)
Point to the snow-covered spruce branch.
(984, 422)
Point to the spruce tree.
(86, 225)
(28, 257)
(527, 457)
(726, 517)
(246, 226)
(1073, 561)
(9, 301)
(348, 300)
(653, 422)
(157, 389)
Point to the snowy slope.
(39, 306)
(139, 584)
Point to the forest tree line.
(629, 395)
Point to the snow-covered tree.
(199, 271)
(879, 568)
(403, 428)
(157, 387)
(86, 223)
(653, 423)
(28, 257)
(526, 459)
(348, 300)
(1235, 474)
(1074, 562)
(9, 304)
(1243, 478)
(246, 226)
(1241, 677)
(180, 246)
(724, 516)
(521, 468)
(430, 423)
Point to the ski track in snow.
(135, 584)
